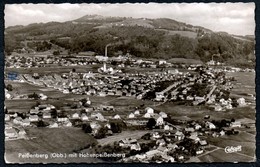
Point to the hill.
(148, 38)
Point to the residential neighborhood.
(164, 139)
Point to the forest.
(139, 41)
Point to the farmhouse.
(131, 115)
(18, 120)
(235, 124)
(147, 115)
(128, 142)
(117, 116)
(84, 117)
(11, 133)
(159, 120)
(26, 122)
(33, 118)
(97, 116)
(46, 115)
(149, 110)
(7, 117)
(163, 114)
(179, 135)
(54, 125)
(137, 112)
(75, 116)
(62, 119)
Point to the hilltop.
(161, 38)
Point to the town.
(126, 103)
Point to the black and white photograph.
(129, 83)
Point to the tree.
(54, 113)
(101, 133)
(56, 52)
(146, 136)
(34, 96)
(151, 123)
(86, 128)
(9, 87)
(115, 127)
(41, 124)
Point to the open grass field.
(198, 112)
(221, 156)
(246, 140)
(185, 61)
(62, 140)
(51, 69)
(188, 34)
(244, 85)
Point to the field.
(246, 140)
(188, 34)
(244, 86)
(185, 61)
(56, 68)
(45, 140)
(221, 156)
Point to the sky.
(234, 18)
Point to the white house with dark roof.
(33, 118)
(137, 112)
(84, 117)
(179, 135)
(26, 122)
(11, 133)
(18, 120)
(147, 115)
(97, 116)
(210, 125)
(159, 120)
(136, 147)
(117, 116)
(62, 119)
(235, 124)
(7, 117)
(75, 116)
(54, 125)
(149, 110)
(131, 115)
(46, 115)
(163, 114)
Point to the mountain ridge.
(161, 38)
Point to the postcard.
(130, 83)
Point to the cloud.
(235, 18)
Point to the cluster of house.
(102, 85)
(190, 86)
(35, 114)
(141, 118)
(227, 104)
(39, 59)
(17, 60)
(12, 133)
(136, 85)
(24, 61)
(176, 145)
